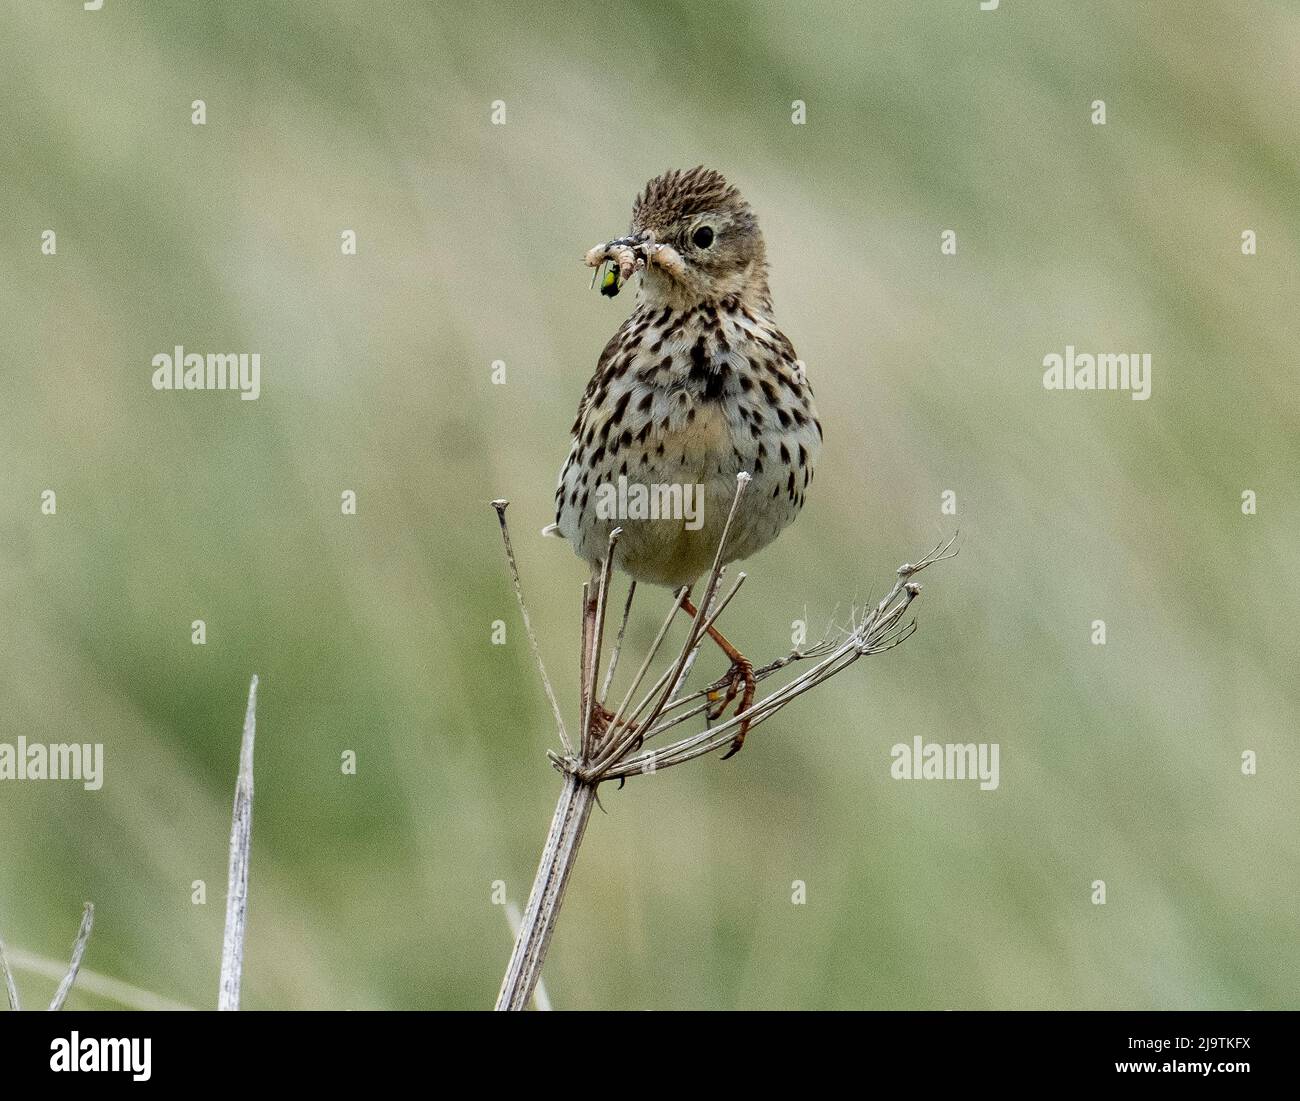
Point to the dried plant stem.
(501, 507)
(717, 610)
(541, 999)
(241, 841)
(618, 643)
(635, 734)
(577, 797)
(78, 950)
(66, 975)
(10, 989)
(614, 747)
(620, 715)
(593, 631)
(94, 983)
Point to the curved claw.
(743, 674)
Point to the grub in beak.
(627, 254)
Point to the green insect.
(610, 283)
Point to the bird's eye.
(702, 237)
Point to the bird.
(696, 386)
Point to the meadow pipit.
(697, 385)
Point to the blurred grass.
(371, 633)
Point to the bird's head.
(694, 239)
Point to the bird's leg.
(742, 676)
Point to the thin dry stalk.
(66, 975)
(577, 797)
(593, 634)
(501, 507)
(10, 989)
(78, 950)
(241, 844)
(541, 1000)
(618, 644)
(94, 983)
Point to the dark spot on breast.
(783, 417)
(709, 378)
(716, 384)
(643, 406)
(699, 360)
(785, 452)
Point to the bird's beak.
(625, 256)
(628, 254)
(619, 259)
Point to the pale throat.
(657, 289)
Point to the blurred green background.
(373, 632)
